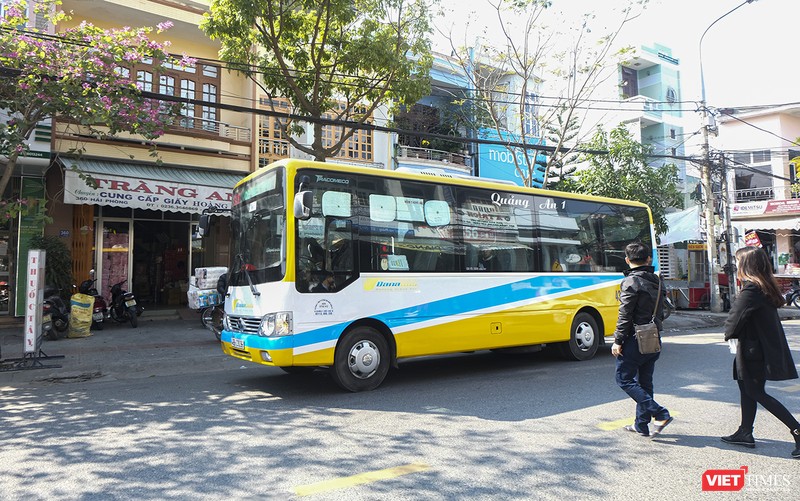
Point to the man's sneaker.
(631, 427)
(741, 437)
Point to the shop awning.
(149, 187)
(773, 223)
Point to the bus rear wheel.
(361, 361)
(584, 338)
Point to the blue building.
(651, 80)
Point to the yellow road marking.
(361, 478)
(619, 423)
(793, 388)
(613, 425)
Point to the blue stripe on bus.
(486, 298)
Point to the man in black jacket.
(639, 300)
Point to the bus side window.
(471, 258)
(446, 262)
(425, 261)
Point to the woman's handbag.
(647, 335)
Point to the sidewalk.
(174, 341)
(690, 320)
(162, 343)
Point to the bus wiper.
(246, 270)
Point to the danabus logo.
(724, 480)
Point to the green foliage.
(561, 130)
(624, 173)
(12, 208)
(58, 262)
(339, 59)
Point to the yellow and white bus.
(355, 268)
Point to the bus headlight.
(276, 324)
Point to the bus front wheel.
(361, 361)
(584, 338)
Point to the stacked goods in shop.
(206, 278)
(202, 298)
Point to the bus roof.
(429, 175)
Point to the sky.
(748, 56)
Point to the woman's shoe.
(741, 437)
(796, 435)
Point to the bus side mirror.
(204, 225)
(302, 205)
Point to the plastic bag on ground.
(80, 315)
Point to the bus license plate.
(237, 343)
(130, 302)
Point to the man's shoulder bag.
(647, 335)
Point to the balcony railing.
(457, 159)
(651, 109)
(777, 192)
(204, 125)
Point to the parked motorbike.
(212, 315)
(669, 306)
(100, 308)
(792, 296)
(56, 310)
(124, 307)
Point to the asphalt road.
(173, 418)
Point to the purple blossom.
(13, 11)
(187, 61)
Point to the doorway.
(161, 262)
(115, 255)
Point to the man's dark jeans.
(635, 377)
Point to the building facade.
(650, 92)
(760, 152)
(137, 225)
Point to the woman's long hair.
(754, 265)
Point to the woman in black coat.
(762, 352)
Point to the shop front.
(138, 224)
(773, 225)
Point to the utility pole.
(730, 266)
(705, 177)
(715, 304)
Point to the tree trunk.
(319, 149)
(12, 163)
(13, 240)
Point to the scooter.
(123, 305)
(100, 309)
(56, 310)
(792, 296)
(213, 315)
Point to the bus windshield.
(258, 223)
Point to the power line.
(356, 125)
(371, 81)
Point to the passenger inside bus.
(311, 261)
(487, 260)
(328, 284)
